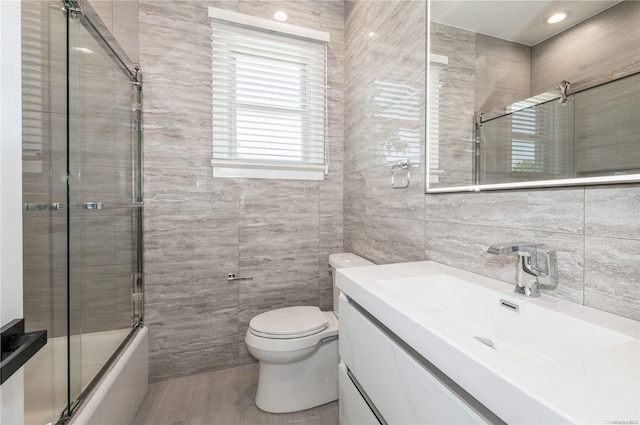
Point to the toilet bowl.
(297, 348)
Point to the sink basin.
(526, 333)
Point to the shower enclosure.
(82, 194)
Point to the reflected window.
(401, 104)
(436, 64)
(526, 147)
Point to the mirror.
(517, 102)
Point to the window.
(269, 94)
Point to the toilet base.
(302, 385)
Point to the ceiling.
(521, 21)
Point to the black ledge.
(18, 347)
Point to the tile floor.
(223, 397)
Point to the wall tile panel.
(613, 212)
(199, 228)
(611, 275)
(538, 210)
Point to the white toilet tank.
(343, 260)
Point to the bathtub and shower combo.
(82, 218)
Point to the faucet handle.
(549, 277)
(508, 247)
(528, 265)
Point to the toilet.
(297, 348)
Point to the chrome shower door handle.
(92, 205)
(43, 207)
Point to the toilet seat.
(268, 343)
(289, 323)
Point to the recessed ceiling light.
(280, 16)
(373, 35)
(557, 17)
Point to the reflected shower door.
(528, 144)
(104, 205)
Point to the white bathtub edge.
(120, 392)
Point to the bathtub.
(118, 394)
(115, 398)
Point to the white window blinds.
(269, 89)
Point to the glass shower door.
(44, 217)
(82, 201)
(104, 204)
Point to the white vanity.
(425, 343)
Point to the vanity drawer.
(353, 409)
(402, 390)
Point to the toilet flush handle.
(232, 276)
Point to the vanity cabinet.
(429, 343)
(399, 388)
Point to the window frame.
(245, 167)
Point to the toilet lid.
(289, 322)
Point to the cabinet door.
(353, 409)
(402, 390)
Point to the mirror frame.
(573, 182)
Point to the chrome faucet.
(528, 254)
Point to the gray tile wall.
(595, 230)
(197, 228)
(381, 222)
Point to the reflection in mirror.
(530, 142)
(517, 102)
